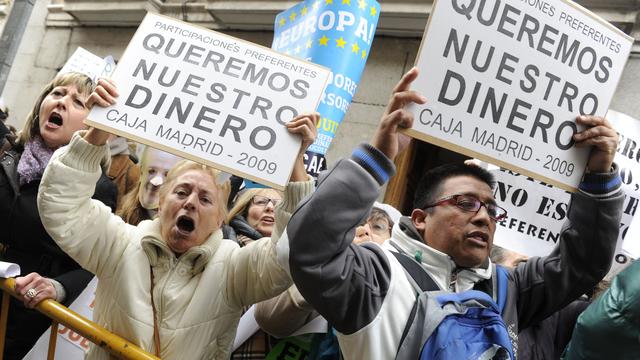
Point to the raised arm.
(284, 314)
(346, 283)
(587, 243)
(84, 228)
(257, 274)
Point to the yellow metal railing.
(60, 314)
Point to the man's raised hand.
(387, 138)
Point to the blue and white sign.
(337, 34)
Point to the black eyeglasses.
(471, 203)
(263, 200)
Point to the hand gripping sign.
(537, 211)
(506, 79)
(211, 98)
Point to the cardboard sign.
(628, 159)
(632, 244)
(212, 98)
(506, 79)
(537, 211)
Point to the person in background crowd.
(123, 171)
(376, 228)
(58, 112)
(547, 339)
(251, 218)
(364, 292)
(610, 327)
(172, 286)
(142, 202)
(252, 215)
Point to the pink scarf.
(34, 160)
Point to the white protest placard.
(632, 243)
(212, 98)
(87, 63)
(628, 159)
(537, 211)
(505, 81)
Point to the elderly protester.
(172, 285)
(57, 113)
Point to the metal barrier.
(60, 314)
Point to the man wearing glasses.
(364, 292)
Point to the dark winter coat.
(26, 243)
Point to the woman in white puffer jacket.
(172, 286)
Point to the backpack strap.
(503, 285)
(415, 271)
(419, 279)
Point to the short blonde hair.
(82, 82)
(242, 204)
(222, 190)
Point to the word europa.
(327, 20)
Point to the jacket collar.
(9, 163)
(156, 248)
(437, 263)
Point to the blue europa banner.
(337, 34)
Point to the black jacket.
(26, 243)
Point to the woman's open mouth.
(55, 120)
(185, 224)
